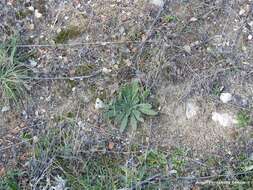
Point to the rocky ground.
(194, 56)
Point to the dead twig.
(64, 78)
(99, 43)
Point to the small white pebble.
(106, 71)
(99, 104)
(242, 12)
(5, 108)
(225, 97)
(31, 8)
(32, 63)
(250, 37)
(37, 13)
(193, 19)
(159, 3)
(35, 139)
(187, 48)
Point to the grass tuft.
(243, 119)
(12, 72)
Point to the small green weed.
(12, 72)
(216, 89)
(10, 181)
(129, 105)
(243, 119)
(169, 18)
(178, 160)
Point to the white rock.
(99, 104)
(32, 63)
(5, 109)
(242, 12)
(225, 97)
(191, 110)
(35, 139)
(224, 119)
(37, 13)
(171, 172)
(250, 37)
(106, 71)
(159, 3)
(187, 48)
(31, 8)
(193, 19)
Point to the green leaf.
(135, 88)
(144, 106)
(119, 117)
(145, 94)
(137, 115)
(110, 114)
(133, 122)
(123, 124)
(146, 109)
(249, 168)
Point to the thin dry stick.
(148, 34)
(16, 144)
(99, 43)
(64, 78)
(34, 186)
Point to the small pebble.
(5, 109)
(158, 3)
(31, 8)
(193, 19)
(99, 104)
(242, 12)
(225, 97)
(37, 13)
(32, 63)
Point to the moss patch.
(67, 34)
(85, 69)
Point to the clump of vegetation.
(90, 168)
(243, 119)
(178, 160)
(129, 106)
(10, 181)
(67, 34)
(217, 89)
(169, 18)
(85, 69)
(13, 73)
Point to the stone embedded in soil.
(37, 14)
(187, 48)
(32, 63)
(226, 97)
(99, 104)
(5, 109)
(191, 110)
(159, 3)
(193, 19)
(224, 119)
